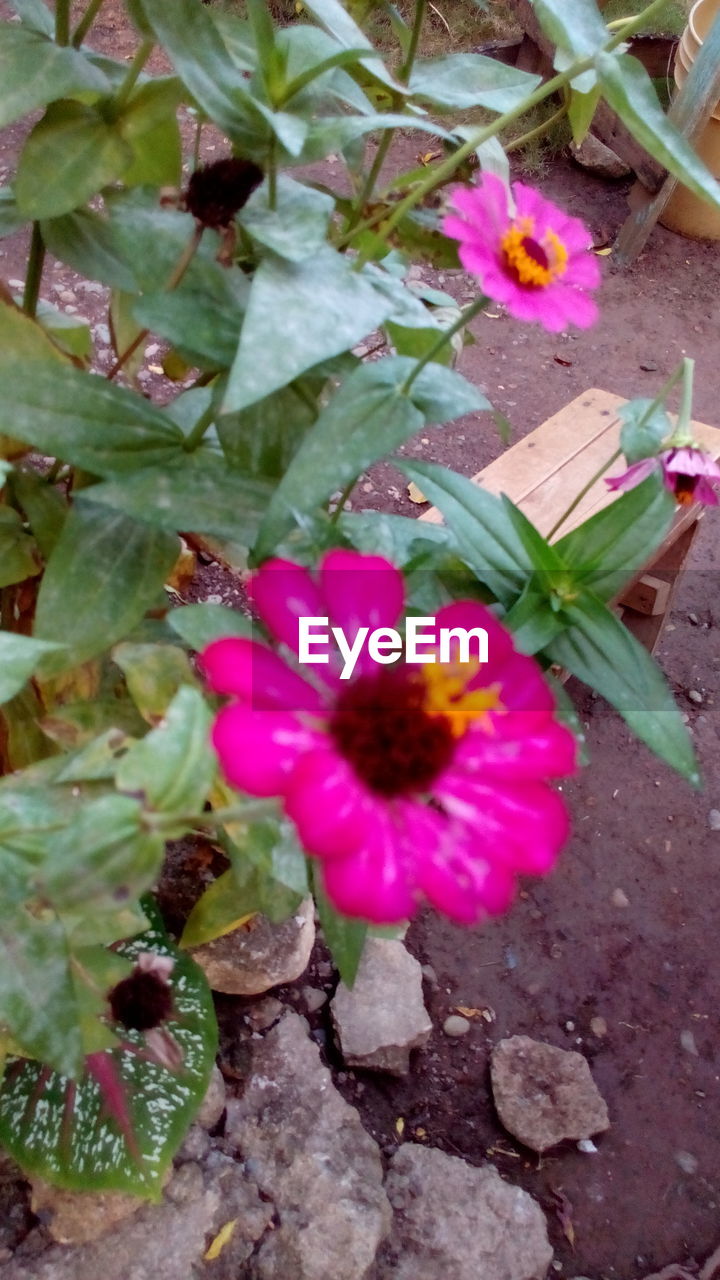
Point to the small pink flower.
(688, 472)
(407, 782)
(536, 263)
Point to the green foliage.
(104, 722)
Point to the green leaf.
(581, 110)
(199, 624)
(599, 650)
(401, 539)
(23, 339)
(629, 90)
(187, 32)
(223, 907)
(544, 558)
(18, 659)
(464, 80)
(154, 674)
(45, 509)
(326, 308)
(35, 15)
(296, 228)
(18, 558)
(105, 571)
(645, 424)
(336, 20)
(34, 71)
(72, 333)
(485, 535)
(577, 29)
(204, 328)
(197, 492)
(124, 1120)
(533, 621)
(37, 999)
(173, 766)
(70, 156)
(84, 419)
(151, 239)
(616, 543)
(345, 937)
(87, 243)
(263, 438)
(11, 219)
(149, 125)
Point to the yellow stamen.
(524, 254)
(446, 695)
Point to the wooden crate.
(544, 471)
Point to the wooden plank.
(668, 566)
(649, 595)
(690, 112)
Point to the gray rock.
(545, 1095)
(213, 1104)
(711, 1269)
(594, 155)
(314, 998)
(454, 1220)
(260, 955)
(383, 1017)
(306, 1149)
(714, 819)
(165, 1241)
(75, 1217)
(673, 1272)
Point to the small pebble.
(687, 1040)
(714, 819)
(598, 1026)
(687, 1162)
(694, 695)
(430, 975)
(619, 899)
(692, 617)
(314, 999)
(569, 1026)
(587, 1146)
(456, 1026)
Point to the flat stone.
(75, 1217)
(454, 1220)
(711, 1269)
(260, 955)
(714, 819)
(165, 1241)
(383, 1017)
(545, 1095)
(456, 1026)
(594, 155)
(309, 1154)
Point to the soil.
(616, 953)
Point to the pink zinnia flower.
(408, 782)
(688, 472)
(535, 262)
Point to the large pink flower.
(688, 472)
(535, 262)
(408, 782)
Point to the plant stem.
(62, 21)
(444, 338)
(537, 132)
(682, 434)
(408, 64)
(196, 145)
(585, 489)
(36, 262)
(174, 279)
(444, 171)
(86, 22)
(195, 437)
(272, 173)
(141, 56)
(336, 514)
(249, 812)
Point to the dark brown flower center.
(684, 488)
(536, 252)
(381, 727)
(141, 1001)
(217, 191)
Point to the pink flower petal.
(372, 883)
(572, 304)
(634, 475)
(522, 826)
(332, 811)
(689, 461)
(469, 614)
(450, 870)
(522, 685)
(525, 745)
(258, 750)
(361, 591)
(283, 592)
(705, 493)
(254, 673)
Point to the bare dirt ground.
(629, 978)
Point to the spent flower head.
(217, 191)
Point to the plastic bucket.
(685, 212)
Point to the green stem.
(537, 132)
(585, 489)
(444, 338)
(444, 171)
(336, 514)
(272, 173)
(86, 22)
(174, 279)
(133, 72)
(195, 437)
(682, 435)
(196, 145)
(213, 818)
(36, 262)
(408, 64)
(62, 21)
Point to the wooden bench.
(543, 472)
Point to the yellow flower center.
(533, 262)
(447, 695)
